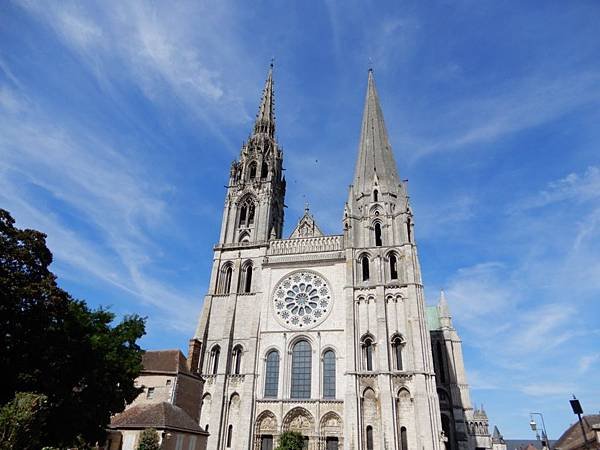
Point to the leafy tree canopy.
(20, 421)
(290, 440)
(57, 346)
(149, 440)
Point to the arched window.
(245, 282)
(264, 171)
(329, 374)
(247, 210)
(367, 345)
(403, 439)
(214, 359)
(393, 267)
(397, 344)
(237, 359)
(369, 437)
(229, 435)
(272, 374)
(364, 263)
(224, 280)
(301, 370)
(248, 280)
(375, 195)
(252, 170)
(251, 214)
(378, 241)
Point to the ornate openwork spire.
(265, 119)
(374, 153)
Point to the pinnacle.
(265, 119)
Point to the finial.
(370, 64)
(306, 207)
(272, 61)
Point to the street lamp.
(533, 425)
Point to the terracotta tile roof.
(157, 415)
(171, 361)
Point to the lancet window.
(272, 374)
(397, 346)
(224, 280)
(237, 359)
(377, 231)
(367, 348)
(329, 374)
(245, 286)
(364, 266)
(393, 266)
(247, 212)
(215, 353)
(301, 370)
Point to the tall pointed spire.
(375, 157)
(265, 119)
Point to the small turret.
(444, 312)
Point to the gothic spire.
(265, 119)
(375, 158)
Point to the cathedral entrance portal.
(301, 421)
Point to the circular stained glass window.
(302, 300)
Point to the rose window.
(302, 300)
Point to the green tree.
(149, 440)
(57, 346)
(21, 420)
(290, 440)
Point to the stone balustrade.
(306, 245)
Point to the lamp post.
(533, 425)
(577, 409)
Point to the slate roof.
(521, 444)
(572, 438)
(162, 415)
(170, 361)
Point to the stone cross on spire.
(265, 119)
(375, 157)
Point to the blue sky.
(118, 122)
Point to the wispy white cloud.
(515, 106)
(549, 389)
(105, 195)
(587, 361)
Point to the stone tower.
(326, 335)
(253, 210)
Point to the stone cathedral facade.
(327, 335)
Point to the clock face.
(302, 300)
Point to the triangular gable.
(306, 227)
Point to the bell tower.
(253, 210)
(378, 212)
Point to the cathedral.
(327, 335)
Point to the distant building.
(327, 335)
(572, 439)
(170, 403)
